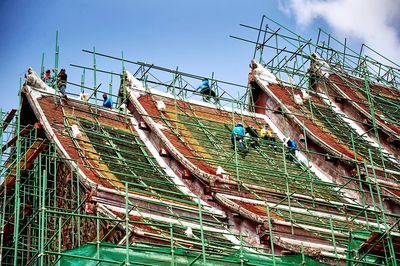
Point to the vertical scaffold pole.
(52, 161)
(383, 216)
(42, 67)
(270, 233)
(171, 232)
(127, 223)
(78, 202)
(377, 187)
(56, 55)
(372, 110)
(123, 72)
(83, 81)
(110, 85)
(43, 217)
(123, 76)
(287, 189)
(258, 37)
(3, 204)
(241, 250)
(203, 245)
(235, 149)
(17, 178)
(333, 236)
(59, 239)
(174, 78)
(264, 41)
(310, 176)
(94, 76)
(376, 211)
(125, 101)
(97, 235)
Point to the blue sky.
(193, 35)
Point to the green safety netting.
(356, 239)
(110, 254)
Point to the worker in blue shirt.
(107, 101)
(292, 146)
(206, 90)
(237, 134)
(49, 78)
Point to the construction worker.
(29, 72)
(62, 82)
(266, 133)
(312, 73)
(251, 137)
(237, 134)
(292, 146)
(49, 78)
(206, 90)
(107, 101)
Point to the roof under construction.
(159, 179)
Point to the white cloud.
(371, 21)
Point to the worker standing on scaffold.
(312, 73)
(237, 135)
(206, 90)
(62, 82)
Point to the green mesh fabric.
(109, 254)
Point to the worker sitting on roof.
(206, 90)
(107, 101)
(251, 137)
(266, 133)
(49, 78)
(238, 135)
(292, 146)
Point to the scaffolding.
(86, 185)
(348, 100)
(56, 213)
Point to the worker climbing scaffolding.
(292, 147)
(205, 90)
(237, 136)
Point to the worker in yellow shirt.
(266, 133)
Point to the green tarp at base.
(109, 254)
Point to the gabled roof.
(118, 167)
(258, 185)
(350, 88)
